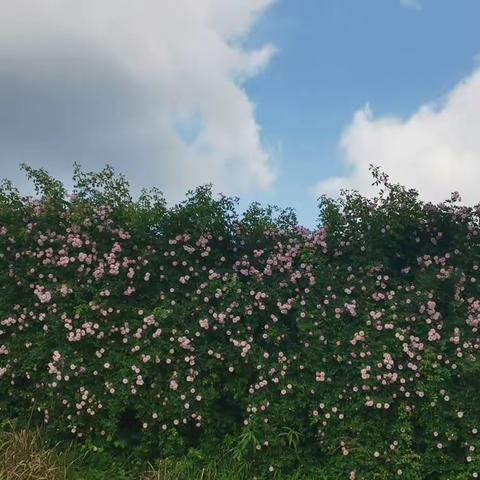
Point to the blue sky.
(336, 55)
(276, 101)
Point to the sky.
(276, 101)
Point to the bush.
(151, 331)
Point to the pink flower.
(43, 295)
(184, 342)
(63, 261)
(129, 291)
(149, 320)
(98, 273)
(365, 372)
(76, 242)
(433, 335)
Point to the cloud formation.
(152, 87)
(436, 150)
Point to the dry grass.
(25, 456)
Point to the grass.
(171, 470)
(24, 455)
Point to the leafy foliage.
(154, 332)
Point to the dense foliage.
(345, 352)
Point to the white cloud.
(411, 4)
(436, 150)
(120, 78)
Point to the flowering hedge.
(349, 351)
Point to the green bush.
(151, 331)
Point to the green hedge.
(349, 351)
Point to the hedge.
(348, 351)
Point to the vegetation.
(213, 345)
(25, 455)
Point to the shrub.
(349, 351)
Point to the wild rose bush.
(349, 351)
